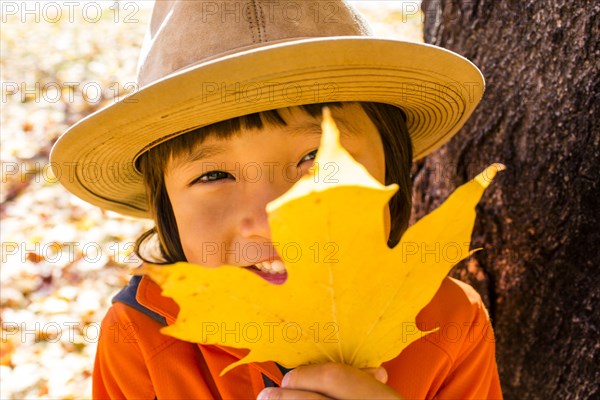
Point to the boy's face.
(219, 195)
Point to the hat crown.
(184, 33)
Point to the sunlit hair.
(390, 121)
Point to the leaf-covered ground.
(63, 259)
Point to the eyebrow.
(314, 128)
(199, 153)
(310, 129)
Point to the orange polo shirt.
(135, 361)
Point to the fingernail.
(286, 379)
(264, 394)
(381, 375)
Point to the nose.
(254, 222)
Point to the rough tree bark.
(539, 222)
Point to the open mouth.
(271, 267)
(273, 271)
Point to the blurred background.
(63, 259)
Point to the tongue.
(277, 279)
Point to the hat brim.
(437, 89)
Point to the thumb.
(378, 373)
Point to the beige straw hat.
(208, 61)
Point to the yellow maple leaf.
(348, 297)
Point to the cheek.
(380, 161)
(200, 232)
(374, 162)
(373, 156)
(379, 170)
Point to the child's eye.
(310, 156)
(213, 176)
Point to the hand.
(332, 381)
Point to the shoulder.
(458, 349)
(458, 316)
(125, 327)
(131, 331)
(135, 360)
(120, 369)
(121, 314)
(454, 301)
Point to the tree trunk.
(538, 223)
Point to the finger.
(288, 394)
(378, 373)
(337, 381)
